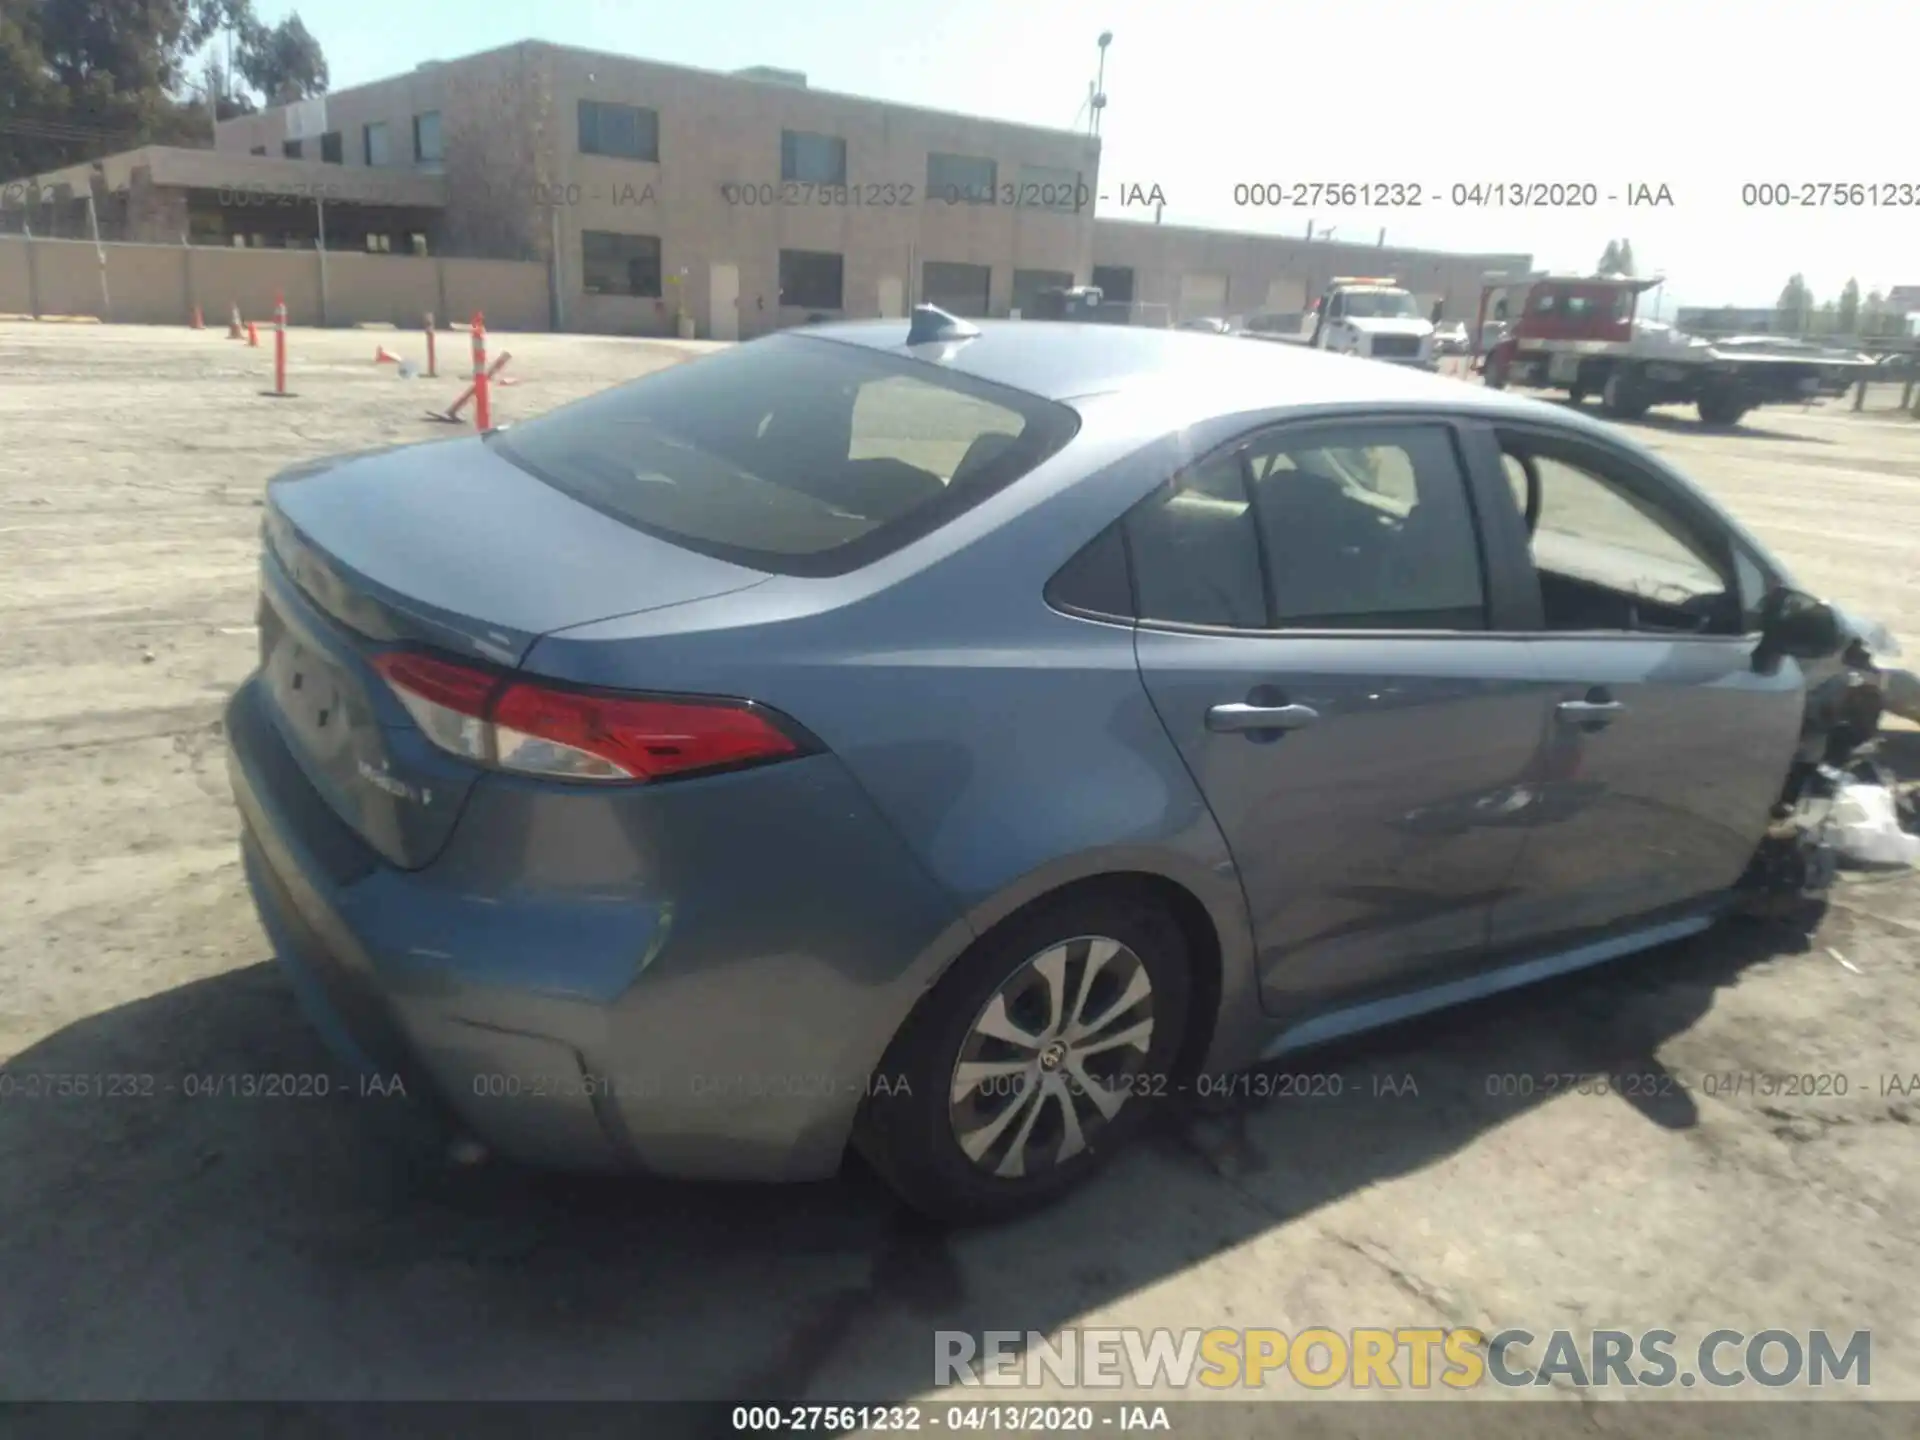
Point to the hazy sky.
(1701, 96)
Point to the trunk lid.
(446, 546)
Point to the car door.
(1316, 632)
(1667, 747)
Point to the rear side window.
(1196, 553)
(791, 455)
(1369, 528)
(1356, 528)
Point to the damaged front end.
(1846, 699)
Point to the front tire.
(1048, 1044)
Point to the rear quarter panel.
(1013, 749)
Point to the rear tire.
(1622, 396)
(1720, 408)
(967, 1125)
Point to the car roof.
(1062, 361)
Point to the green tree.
(1793, 306)
(283, 63)
(1609, 259)
(85, 78)
(1848, 319)
(1626, 257)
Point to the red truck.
(1579, 334)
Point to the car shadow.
(1689, 425)
(168, 1237)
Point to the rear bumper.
(696, 981)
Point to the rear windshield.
(792, 455)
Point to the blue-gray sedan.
(959, 742)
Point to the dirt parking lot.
(169, 1246)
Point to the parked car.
(1209, 324)
(958, 743)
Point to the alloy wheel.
(1052, 1057)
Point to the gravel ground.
(161, 1246)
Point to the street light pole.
(1099, 101)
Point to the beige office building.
(749, 201)
(653, 198)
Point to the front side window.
(792, 455)
(1356, 528)
(1609, 554)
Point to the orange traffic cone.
(253, 335)
(384, 356)
(196, 323)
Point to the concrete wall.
(16, 288)
(160, 285)
(512, 293)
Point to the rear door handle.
(1589, 712)
(1238, 718)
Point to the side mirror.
(1793, 623)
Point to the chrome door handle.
(1589, 712)
(1237, 718)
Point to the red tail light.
(577, 735)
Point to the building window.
(957, 289)
(1042, 187)
(1027, 285)
(426, 138)
(813, 159)
(960, 179)
(330, 148)
(373, 144)
(811, 279)
(1114, 282)
(626, 132)
(290, 149)
(258, 150)
(379, 244)
(613, 264)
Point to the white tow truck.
(1375, 318)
